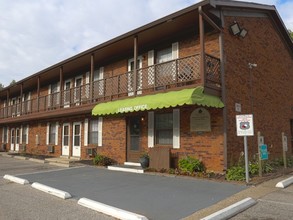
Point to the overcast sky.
(35, 34)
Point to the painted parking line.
(231, 210)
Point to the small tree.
(1, 86)
(12, 82)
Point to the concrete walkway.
(255, 192)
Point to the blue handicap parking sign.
(263, 149)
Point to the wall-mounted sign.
(200, 120)
(244, 125)
(237, 107)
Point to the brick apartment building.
(176, 83)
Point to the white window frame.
(87, 128)
(176, 129)
(49, 125)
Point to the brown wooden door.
(133, 139)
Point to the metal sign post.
(260, 142)
(244, 125)
(246, 160)
(285, 148)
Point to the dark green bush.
(101, 160)
(191, 165)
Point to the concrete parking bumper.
(285, 183)
(231, 210)
(16, 179)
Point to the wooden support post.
(135, 65)
(61, 92)
(91, 89)
(202, 47)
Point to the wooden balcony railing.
(164, 76)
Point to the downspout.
(202, 68)
(224, 95)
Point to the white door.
(78, 90)
(131, 76)
(12, 139)
(65, 139)
(76, 143)
(17, 138)
(67, 93)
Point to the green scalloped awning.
(158, 101)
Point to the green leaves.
(191, 165)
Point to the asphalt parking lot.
(154, 196)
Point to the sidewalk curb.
(231, 210)
(16, 179)
(55, 192)
(110, 210)
(283, 184)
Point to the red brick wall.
(114, 138)
(271, 84)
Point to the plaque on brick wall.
(200, 120)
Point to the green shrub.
(290, 161)
(236, 173)
(253, 168)
(101, 160)
(191, 165)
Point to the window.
(93, 131)
(53, 98)
(164, 55)
(165, 70)
(52, 133)
(25, 135)
(164, 129)
(4, 137)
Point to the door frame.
(67, 146)
(133, 155)
(130, 77)
(17, 139)
(73, 141)
(67, 94)
(12, 142)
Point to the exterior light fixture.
(235, 29)
(243, 33)
(142, 118)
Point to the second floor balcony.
(172, 75)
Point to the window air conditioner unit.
(51, 149)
